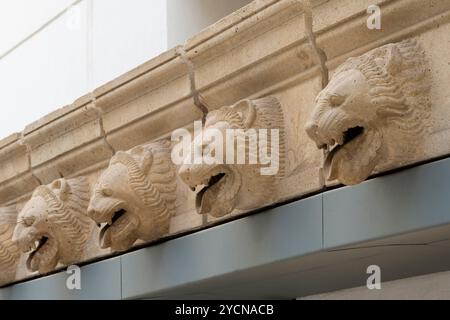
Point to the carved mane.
(398, 76)
(68, 211)
(9, 252)
(269, 115)
(151, 177)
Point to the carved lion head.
(373, 112)
(53, 226)
(135, 197)
(9, 252)
(225, 187)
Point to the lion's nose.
(15, 237)
(18, 238)
(185, 173)
(94, 215)
(312, 130)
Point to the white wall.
(20, 18)
(188, 17)
(126, 33)
(51, 52)
(43, 73)
(50, 56)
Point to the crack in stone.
(320, 55)
(201, 105)
(28, 154)
(321, 59)
(99, 113)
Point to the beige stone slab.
(9, 139)
(57, 114)
(22, 186)
(14, 160)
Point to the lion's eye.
(336, 100)
(107, 192)
(28, 221)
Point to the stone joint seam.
(321, 59)
(198, 99)
(28, 155)
(103, 133)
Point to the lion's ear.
(146, 157)
(393, 60)
(147, 161)
(137, 151)
(63, 187)
(247, 111)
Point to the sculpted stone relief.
(9, 252)
(374, 111)
(135, 197)
(53, 226)
(225, 187)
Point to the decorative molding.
(53, 226)
(375, 110)
(264, 40)
(135, 197)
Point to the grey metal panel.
(100, 280)
(282, 233)
(402, 202)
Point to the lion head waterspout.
(373, 112)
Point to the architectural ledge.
(105, 160)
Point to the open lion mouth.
(347, 136)
(217, 188)
(347, 142)
(355, 150)
(119, 232)
(42, 252)
(213, 186)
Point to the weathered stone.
(53, 226)
(135, 197)
(228, 185)
(9, 252)
(374, 114)
(261, 51)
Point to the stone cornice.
(160, 88)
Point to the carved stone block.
(135, 197)
(9, 252)
(53, 226)
(226, 187)
(374, 112)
